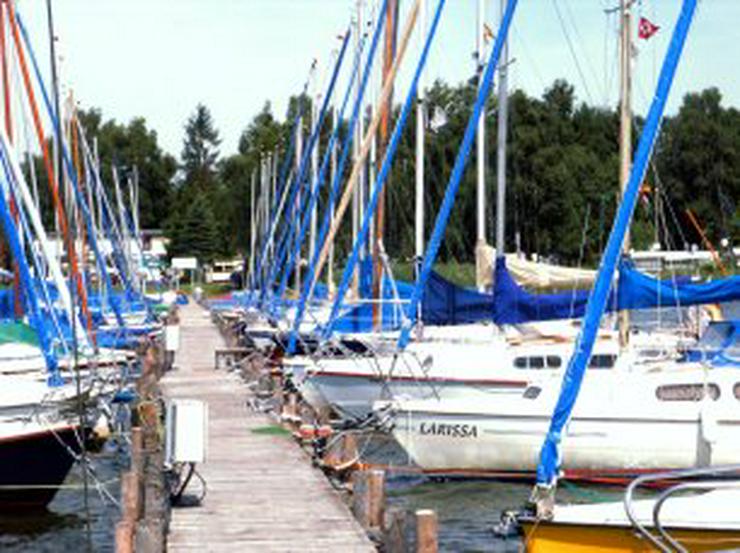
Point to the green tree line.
(562, 175)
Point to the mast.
(298, 157)
(391, 17)
(330, 207)
(625, 134)
(17, 304)
(503, 115)
(252, 229)
(481, 144)
(419, 167)
(314, 174)
(356, 148)
(55, 92)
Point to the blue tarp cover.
(639, 291)
(512, 304)
(445, 303)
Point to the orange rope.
(49, 166)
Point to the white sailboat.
(629, 419)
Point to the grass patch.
(271, 430)
(462, 274)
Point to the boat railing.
(695, 479)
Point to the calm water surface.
(62, 527)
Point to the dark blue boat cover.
(639, 291)
(445, 303)
(512, 304)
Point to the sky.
(159, 58)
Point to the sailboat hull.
(353, 395)
(549, 537)
(34, 463)
(621, 428)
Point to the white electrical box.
(186, 431)
(172, 337)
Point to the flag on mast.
(646, 28)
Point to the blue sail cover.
(639, 291)
(359, 318)
(512, 304)
(445, 303)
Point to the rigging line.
(579, 38)
(572, 51)
(531, 60)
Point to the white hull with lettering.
(622, 424)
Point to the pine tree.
(200, 150)
(196, 232)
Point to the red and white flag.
(646, 28)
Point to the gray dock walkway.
(263, 493)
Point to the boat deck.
(263, 493)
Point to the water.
(62, 527)
(467, 510)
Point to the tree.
(699, 163)
(127, 147)
(196, 233)
(200, 149)
(134, 146)
(263, 134)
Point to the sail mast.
(419, 169)
(481, 143)
(503, 115)
(359, 131)
(625, 133)
(391, 28)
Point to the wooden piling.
(342, 453)
(137, 450)
(426, 531)
(376, 498)
(368, 499)
(125, 537)
(131, 497)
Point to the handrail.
(662, 476)
(701, 485)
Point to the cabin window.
(688, 392)
(532, 392)
(602, 361)
(538, 362)
(736, 390)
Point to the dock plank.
(263, 493)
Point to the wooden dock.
(263, 493)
